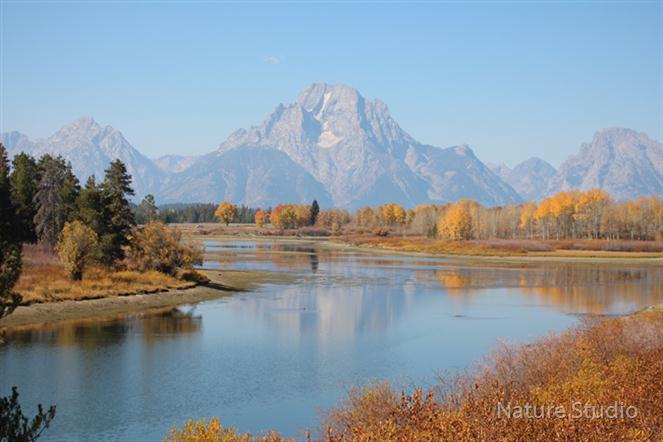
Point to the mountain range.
(334, 145)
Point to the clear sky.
(511, 79)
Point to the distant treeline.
(194, 213)
(567, 215)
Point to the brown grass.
(43, 280)
(599, 363)
(513, 247)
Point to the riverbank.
(43, 280)
(350, 244)
(220, 284)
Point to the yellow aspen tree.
(456, 223)
(226, 212)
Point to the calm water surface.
(274, 358)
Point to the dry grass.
(599, 363)
(515, 247)
(43, 280)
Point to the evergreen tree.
(7, 211)
(10, 247)
(70, 189)
(24, 181)
(90, 208)
(115, 189)
(147, 211)
(315, 210)
(50, 200)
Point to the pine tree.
(10, 247)
(115, 189)
(24, 181)
(7, 211)
(315, 210)
(51, 211)
(70, 190)
(90, 210)
(147, 210)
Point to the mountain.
(334, 145)
(174, 163)
(253, 176)
(16, 142)
(357, 152)
(623, 162)
(531, 178)
(90, 148)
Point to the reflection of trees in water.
(99, 333)
(330, 309)
(587, 288)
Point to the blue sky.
(511, 79)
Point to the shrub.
(212, 431)
(313, 231)
(76, 246)
(381, 231)
(157, 247)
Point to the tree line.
(591, 214)
(195, 213)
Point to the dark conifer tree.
(52, 208)
(24, 181)
(90, 207)
(147, 211)
(115, 190)
(315, 210)
(10, 246)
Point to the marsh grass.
(43, 280)
(513, 247)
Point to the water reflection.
(97, 333)
(581, 288)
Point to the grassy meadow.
(44, 280)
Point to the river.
(274, 358)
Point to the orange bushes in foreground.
(583, 372)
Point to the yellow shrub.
(76, 246)
(157, 247)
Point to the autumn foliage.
(76, 247)
(586, 215)
(226, 212)
(261, 218)
(211, 431)
(155, 246)
(456, 223)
